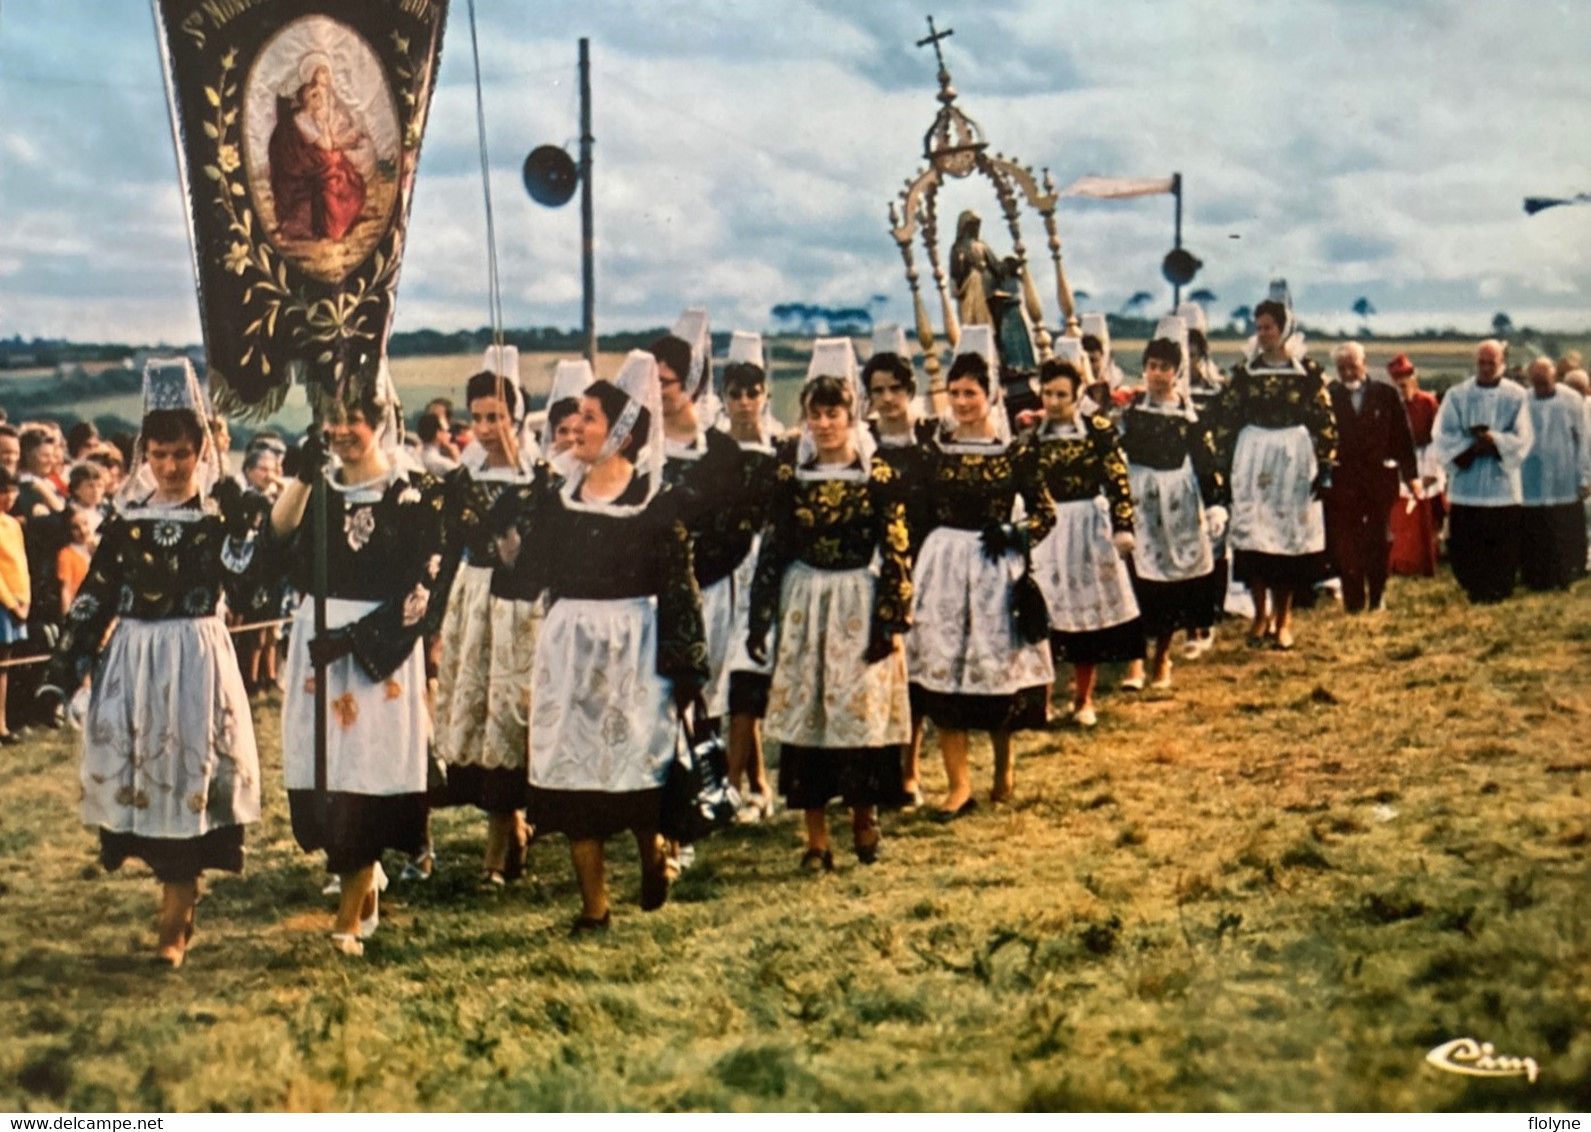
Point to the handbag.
(697, 797)
(1030, 610)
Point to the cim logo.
(1481, 1059)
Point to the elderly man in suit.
(1375, 453)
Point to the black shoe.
(961, 811)
(514, 861)
(654, 886)
(818, 861)
(868, 854)
(10, 739)
(584, 925)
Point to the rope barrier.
(25, 661)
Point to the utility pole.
(588, 273)
(1176, 192)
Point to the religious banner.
(298, 125)
(1118, 188)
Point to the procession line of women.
(830, 590)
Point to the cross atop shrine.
(933, 37)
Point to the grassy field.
(1276, 887)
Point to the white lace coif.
(171, 384)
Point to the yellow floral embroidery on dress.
(896, 537)
(1270, 399)
(837, 524)
(1082, 467)
(970, 491)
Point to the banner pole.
(319, 584)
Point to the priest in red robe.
(1414, 528)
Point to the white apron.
(483, 678)
(823, 692)
(601, 717)
(377, 731)
(1272, 511)
(963, 639)
(168, 741)
(718, 619)
(738, 659)
(1084, 579)
(1173, 544)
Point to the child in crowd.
(15, 591)
(71, 564)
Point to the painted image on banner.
(321, 142)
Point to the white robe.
(1559, 463)
(1501, 408)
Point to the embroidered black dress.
(170, 773)
(488, 641)
(838, 705)
(621, 642)
(970, 670)
(715, 498)
(1278, 439)
(384, 559)
(1176, 475)
(1093, 611)
(908, 458)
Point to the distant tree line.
(15, 353)
(798, 320)
(544, 339)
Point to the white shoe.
(1084, 717)
(757, 808)
(1198, 646)
(684, 857)
(1131, 684)
(1163, 682)
(378, 885)
(419, 868)
(333, 886)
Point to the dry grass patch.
(1276, 888)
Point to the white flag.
(1116, 188)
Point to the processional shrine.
(981, 287)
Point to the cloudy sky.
(747, 151)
